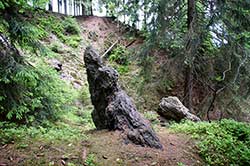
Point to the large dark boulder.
(171, 108)
(113, 108)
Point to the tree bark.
(83, 10)
(188, 87)
(58, 6)
(191, 13)
(65, 7)
(91, 8)
(50, 6)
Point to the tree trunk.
(50, 6)
(65, 7)
(91, 8)
(83, 10)
(58, 5)
(191, 13)
(188, 89)
(74, 4)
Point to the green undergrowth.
(91, 160)
(119, 59)
(65, 28)
(152, 116)
(37, 91)
(220, 143)
(70, 127)
(51, 143)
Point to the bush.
(90, 160)
(32, 92)
(121, 59)
(67, 29)
(29, 94)
(120, 56)
(220, 143)
(56, 47)
(122, 69)
(73, 41)
(70, 26)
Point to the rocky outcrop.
(171, 108)
(113, 108)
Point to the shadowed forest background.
(165, 52)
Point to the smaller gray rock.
(56, 64)
(171, 108)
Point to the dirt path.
(110, 150)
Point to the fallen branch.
(109, 49)
(57, 149)
(129, 44)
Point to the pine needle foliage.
(216, 46)
(30, 92)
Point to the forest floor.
(98, 148)
(73, 141)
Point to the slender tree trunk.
(83, 11)
(79, 9)
(91, 9)
(124, 16)
(188, 89)
(50, 6)
(74, 7)
(65, 7)
(191, 13)
(58, 5)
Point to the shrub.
(70, 26)
(73, 41)
(67, 29)
(121, 59)
(56, 47)
(90, 160)
(120, 56)
(122, 69)
(29, 94)
(220, 143)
